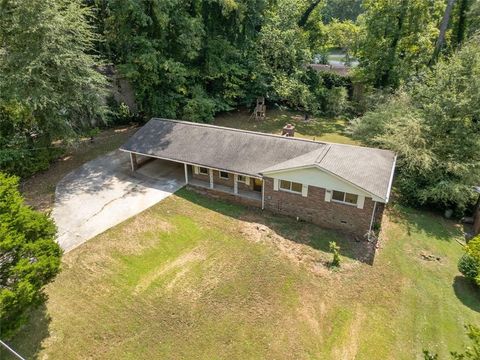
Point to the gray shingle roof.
(253, 153)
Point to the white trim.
(360, 202)
(290, 190)
(328, 172)
(247, 180)
(263, 194)
(275, 184)
(186, 173)
(328, 195)
(195, 169)
(235, 184)
(389, 189)
(304, 190)
(190, 163)
(344, 197)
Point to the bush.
(469, 263)
(29, 256)
(335, 249)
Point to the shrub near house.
(469, 263)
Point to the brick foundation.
(315, 209)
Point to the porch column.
(210, 172)
(235, 184)
(263, 194)
(133, 161)
(186, 173)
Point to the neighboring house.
(476, 214)
(336, 186)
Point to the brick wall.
(315, 209)
(215, 194)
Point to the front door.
(257, 184)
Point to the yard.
(197, 278)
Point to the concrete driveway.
(104, 192)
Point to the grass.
(197, 278)
(320, 129)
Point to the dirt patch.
(298, 253)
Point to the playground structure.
(260, 110)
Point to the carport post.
(210, 172)
(186, 173)
(133, 161)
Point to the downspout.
(371, 221)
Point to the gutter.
(389, 189)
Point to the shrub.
(335, 249)
(29, 256)
(469, 263)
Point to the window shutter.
(247, 180)
(328, 195)
(361, 201)
(304, 190)
(275, 184)
(195, 170)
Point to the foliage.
(398, 39)
(434, 127)
(471, 352)
(341, 10)
(335, 249)
(29, 256)
(49, 88)
(469, 263)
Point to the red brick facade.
(315, 209)
(215, 194)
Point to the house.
(336, 186)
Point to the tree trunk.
(443, 30)
(303, 20)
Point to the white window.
(344, 197)
(224, 175)
(242, 179)
(290, 186)
(203, 170)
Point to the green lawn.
(321, 129)
(194, 278)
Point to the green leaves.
(434, 127)
(29, 255)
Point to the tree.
(434, 127)
(49, 88)
(398, 39)
(29, 256)
(443, 29)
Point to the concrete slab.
(104, 192)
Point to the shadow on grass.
(288, 228)
(428, 222)
(28, 341)
(467, 293)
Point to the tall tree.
(49, 87)
(434, 126)
(29, 256)
(398, 39)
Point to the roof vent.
(288, 130)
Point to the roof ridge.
(243, 131)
